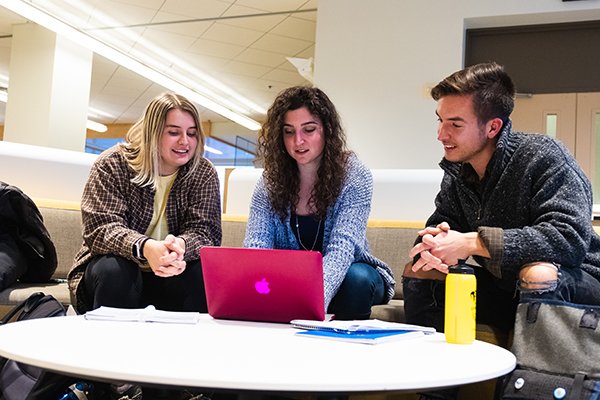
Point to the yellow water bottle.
(459, 315)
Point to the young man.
(518, 203)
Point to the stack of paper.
(148, 314)
(360, 331)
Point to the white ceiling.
(241, 43)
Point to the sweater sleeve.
(349, 225)
(260, 226)
(493, 239)
(560, 228)
(545, 210)
(105, 206)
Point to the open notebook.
(263, 284)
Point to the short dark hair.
(492, 88)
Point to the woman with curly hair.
(315, 194)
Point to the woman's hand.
(165, 257)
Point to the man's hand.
(435, 230)
(442, 247)
(427, 260)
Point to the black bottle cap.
(461, 268)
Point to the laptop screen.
(263, 284)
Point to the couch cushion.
(392, 311)
(19, 292)
(64, 227)
(391, 245)
(388, 241)
(234, 230)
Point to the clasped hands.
(165, 257)
(442, 247)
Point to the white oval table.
(235, 355)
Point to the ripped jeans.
(497, 302)
(573, 285)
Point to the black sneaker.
(125, 391)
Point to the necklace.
(316, 236)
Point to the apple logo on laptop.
(262, 286)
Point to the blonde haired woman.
(148, 206)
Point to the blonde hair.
(141, 147)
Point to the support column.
(48, 90)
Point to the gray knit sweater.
(534, 204)
(344, 240)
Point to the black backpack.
(18, 381)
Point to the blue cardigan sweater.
(344, 240)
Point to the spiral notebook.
(363, 337)
(360, 326)
(370, 331)
(263, 285)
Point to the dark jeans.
(574, 286)
(361, 288)
(117, 282)
(424, 301)
(496, 302)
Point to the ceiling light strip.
(96, 126)
(209, 19)
(36, 15)
(151, 55)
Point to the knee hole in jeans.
(538, 277)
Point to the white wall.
(376, 60)
(399, 194)
(49, 89)
(44, 172)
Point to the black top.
(308, 231)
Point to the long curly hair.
(281, 173)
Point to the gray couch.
(64, 226)
(389, 243)
(389, 240)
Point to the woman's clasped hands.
(165, 257)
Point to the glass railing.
(242, 154)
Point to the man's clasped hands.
(442, 247)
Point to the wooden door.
(572, 118)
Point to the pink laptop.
(263, 284)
